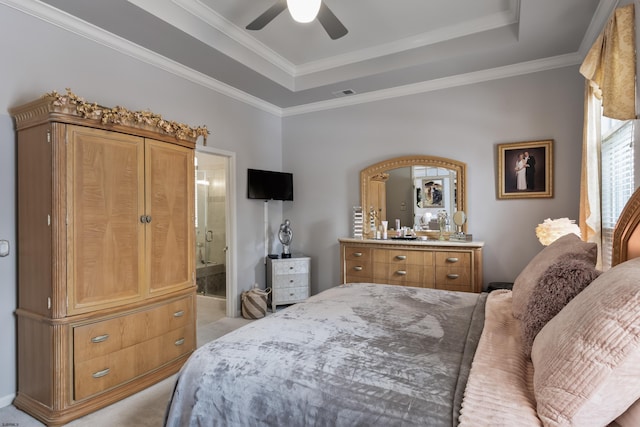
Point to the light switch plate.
(4, 248)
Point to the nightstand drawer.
(290, 266)
(285, 295)
(291, 281)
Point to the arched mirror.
(412, 188)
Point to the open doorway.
(212, 222)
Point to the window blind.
(617, 159)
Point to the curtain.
(590, 219)
(610, 65)
(610, 70)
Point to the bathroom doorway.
(211, 211)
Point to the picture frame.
(520, 178)
(429, 194)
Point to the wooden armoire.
(106, 271)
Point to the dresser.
(289, 280)
(106, 288)
(455, 266)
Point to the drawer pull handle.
(452, 276)
(291, 294)
(357, 268)
(178, 313)
(100, 338)
(291, 281)
(452, 259)
(179, 342)
(357, 254)
(401, 257)
(401, 272)
(100, 374)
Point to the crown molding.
(598, 21)
(210, 17)
(494, 21)
(84, 29)
(528, 67)
(74, 25)
(214, 19)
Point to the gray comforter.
(354, 355)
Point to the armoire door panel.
(170, 241)
(106, 200)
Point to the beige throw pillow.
(569, 246)
(587, 358)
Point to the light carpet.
(145, 408)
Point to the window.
(618, 184)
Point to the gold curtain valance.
(610, 65)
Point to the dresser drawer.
(291, 266)
(101, 373)
(450, 265)
(291, 281)
(384, 273)
(357, 271)
(284, 295)
(453, 259)
(453, 271)
(354, 253)
(398, 256)
(107, 336)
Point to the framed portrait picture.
(525, 170)
(429, 193)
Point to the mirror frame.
(367, 174)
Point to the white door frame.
(231, 227)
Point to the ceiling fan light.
(303, 10)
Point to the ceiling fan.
(328, 20)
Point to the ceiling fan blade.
(331, 23)
(267, 16)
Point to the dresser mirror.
(412, 189)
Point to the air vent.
(345, 92)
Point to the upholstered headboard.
(626, 235)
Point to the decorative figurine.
(285, 234)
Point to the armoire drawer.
(104, 372)
(107, 336)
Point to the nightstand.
(289, 280)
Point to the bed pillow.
(569, 246)
(559, 284)
(587, 358)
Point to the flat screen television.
(269, 185)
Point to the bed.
(561, 348)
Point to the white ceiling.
(392, 48)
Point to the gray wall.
(39, 57)
(463, 123)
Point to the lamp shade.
(303, 10)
